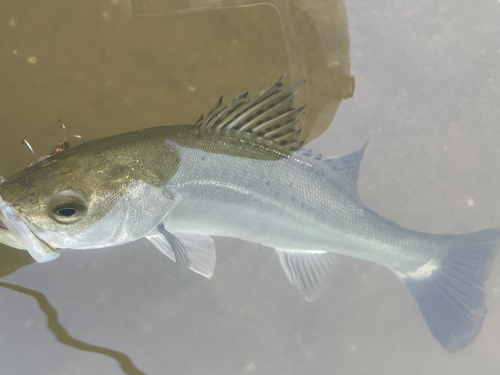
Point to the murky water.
(427, 93)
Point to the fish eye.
(67, 206)
(66, 212)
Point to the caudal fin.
(450, 294)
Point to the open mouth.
(3, 226)
(18, 235)
(7, 237)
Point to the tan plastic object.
(316, 39)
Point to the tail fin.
(451, 298)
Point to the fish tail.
(450, 291)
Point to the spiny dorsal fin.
(199, 122)
(269, 115)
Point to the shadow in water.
(13, 259)
(65, 338)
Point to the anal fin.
(308, 270)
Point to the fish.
(242, 171)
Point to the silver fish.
(240, 172)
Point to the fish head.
(91, 196)
(53, 202)
(58, 195)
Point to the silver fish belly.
(294, 204)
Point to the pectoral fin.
(199, 250)
(307, 270)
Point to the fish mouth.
(7, 238)
(3, 227)
(15, 233)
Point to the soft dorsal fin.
(347, 166)
(269, 115)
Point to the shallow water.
(427, 93)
